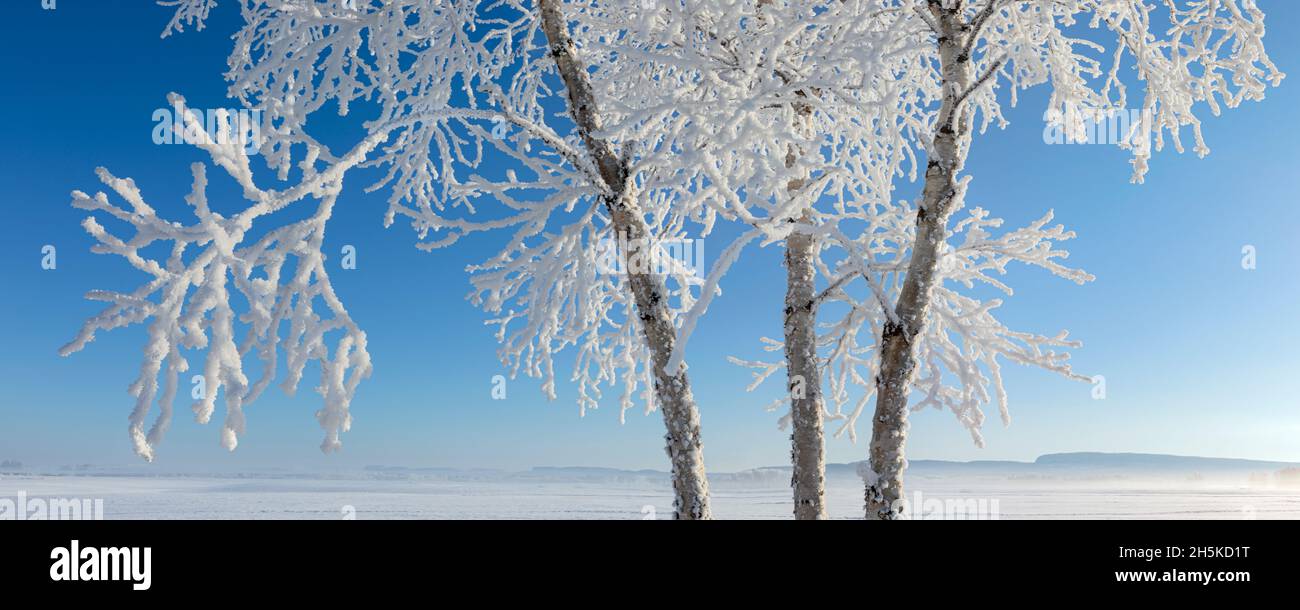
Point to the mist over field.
(1057, 486)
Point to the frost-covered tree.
(564, 126)
(912, 329)
(620, 196)
(483, 117)
(749, 112)
(1186, 53)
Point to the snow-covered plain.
(609, 494)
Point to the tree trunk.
(942, 192)
(807, 440)
(803, 378)
(672, 392)
(672, 389)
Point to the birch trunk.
(942, 192)
(672, 390)
(807, 436)
(807, 439)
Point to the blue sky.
(1199, 355)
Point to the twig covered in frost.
(962, 344)
(188, 302)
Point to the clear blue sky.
(1200, 356)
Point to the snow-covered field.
(366, 496)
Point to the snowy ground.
(441, 497)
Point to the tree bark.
(940, 196)
(807, 439)
(803, 378)
(672, 389)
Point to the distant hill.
(590, 471)
(1054, 464)
(1155, 462)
